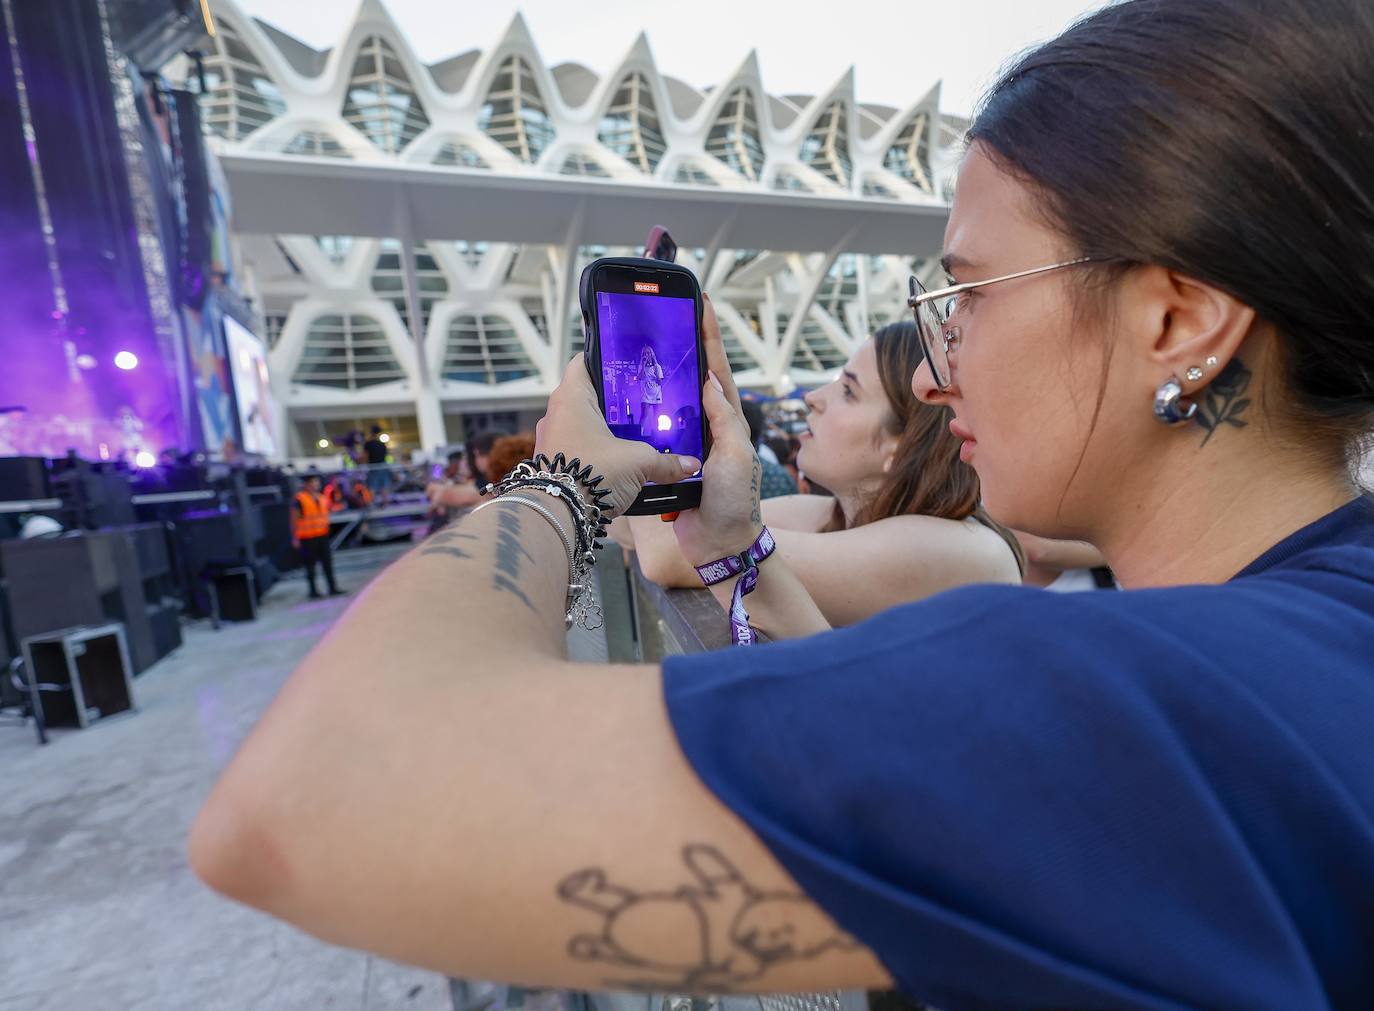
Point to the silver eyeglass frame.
(919, 297)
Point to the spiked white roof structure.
(414, 232)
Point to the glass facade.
(241, 95)
(388, 281)
(316, 143)
(909, 156)
(826, 148)
(381, 102)
(815, 351)
(693, 175)
(348, 352)
(514, 114)
(484, 349)
(630, 126)
(460, 154)
(734, 138)
(579, 163)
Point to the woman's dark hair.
(1232, 141)
(927, 477)
(481, 443)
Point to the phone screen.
(651, 383)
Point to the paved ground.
(98, 909)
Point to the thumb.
(669, 468)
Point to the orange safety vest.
(312, 520)
(363, 494)
(333, 496)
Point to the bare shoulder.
(807, 513)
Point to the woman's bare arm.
(1046, 559)
(437, 784)
(854, 574)
(662, 561)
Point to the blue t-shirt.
(1018, 799)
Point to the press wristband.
(746, 566)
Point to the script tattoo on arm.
(510, 549)
(725, 933)
(755, 487)
(441, 544)
(1225, 401)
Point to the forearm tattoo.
(1225, 402)
(755, 488)
(441, 544)
(510, 549)
(722, 933)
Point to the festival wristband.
(747, 563)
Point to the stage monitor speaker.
(210, 539)
(82, 578)
(24, 479)
(165, 621)
(150, 547)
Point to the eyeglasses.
(933, 310)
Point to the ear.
(888, 446)
(1190, 325)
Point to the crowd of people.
(1153, 354)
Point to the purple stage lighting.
(145, 459)
(126, 360)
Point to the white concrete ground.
(98, 909)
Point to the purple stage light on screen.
(126, 360)
(145, 459)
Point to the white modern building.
(413, 234)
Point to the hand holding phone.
(647, 363)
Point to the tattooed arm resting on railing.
(436, 783)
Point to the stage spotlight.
(85, 361)
(665, 423)
(145, 459)
(384, 437)
(126, 360)
(323, 444)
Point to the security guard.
(310, 533)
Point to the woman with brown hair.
(904, 521)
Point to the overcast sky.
(898, 47)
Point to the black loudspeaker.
(164, 620)
(98, 498)
(210, 539)
(24, 479)
(276, 536)
(91, 578)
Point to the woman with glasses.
(1162, 249)
(902, 520)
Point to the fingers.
(669, 468)
(714, 344)
(727, 422)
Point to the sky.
(899, 48)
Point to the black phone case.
(653, 500)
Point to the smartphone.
(660, 245)
(647, 362)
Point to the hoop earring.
(1170, 406)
